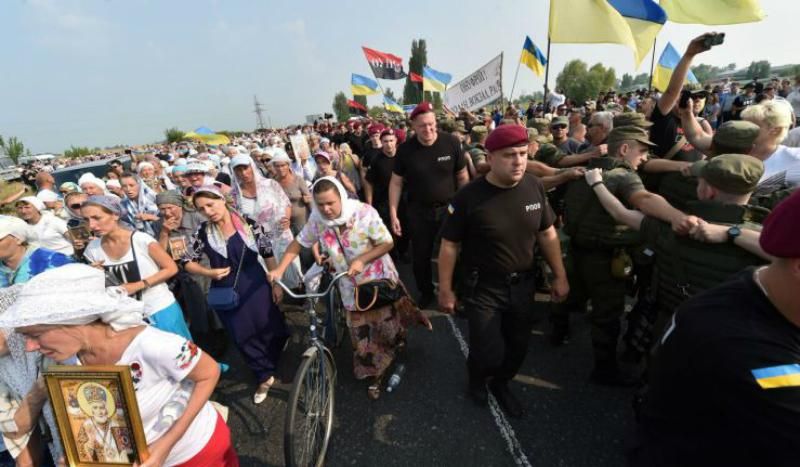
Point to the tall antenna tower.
(258, 110)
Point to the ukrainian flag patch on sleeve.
(781, 376)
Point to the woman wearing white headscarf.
(68, 312)
(264, 201)
(355, 239)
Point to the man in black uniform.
(376, 189)
(433, 167)
(725, 384)
(497, 220)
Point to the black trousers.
(400, 243)
(500, 317)
(424, 224)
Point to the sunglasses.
(559, 127)
(76, 205)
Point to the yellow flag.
(713, 11)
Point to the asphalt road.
(429, 420)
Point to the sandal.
(374, 389)
(262, 391)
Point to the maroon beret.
(401, 135)
(374, 129)
(387, 131)
(506, 136)
(421, 108)
(779, 235)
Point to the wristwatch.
(733, 232)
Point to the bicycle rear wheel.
(309, 417)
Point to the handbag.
(375, 293)
(226, 298)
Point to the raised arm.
(611, 204)
(679, 74)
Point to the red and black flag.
(384, 66)
(356, 108)
(415, 78)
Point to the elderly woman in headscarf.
(135, 261)
(68, 312)
(50, 231)
(264, 201)
(356, 241)
(139, 208)
(23, 396)
(92, 185)
(20, 256)
(295, 188)
(239, 253)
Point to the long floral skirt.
(378, 335)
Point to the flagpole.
(514, 84)
(652, 66)
(546, 68)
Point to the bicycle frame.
(311, 297)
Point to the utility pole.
(258, 110)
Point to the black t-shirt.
(711, 400)
(378, 175)
(666, 132)
(742, 101)
(369, 154)
(223, 178)
(356, 142)
(429, 172)
(497, 226)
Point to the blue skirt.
(170, 319)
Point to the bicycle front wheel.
(309, 417)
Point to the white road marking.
(506, 431)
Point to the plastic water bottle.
(394, 380)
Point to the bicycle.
(310, 408)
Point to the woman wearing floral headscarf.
(68, 312)
(239, 253)
(355, 239)
(140, 211)
(264, 201)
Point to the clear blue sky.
(96, 73)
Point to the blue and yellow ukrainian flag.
(666, 64)
(435, 81)
(713, 11)
(390, 105)
(607, 21)
(363, 86)
(781, 376)
(532, 57)
(645, 19)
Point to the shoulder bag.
(226, 298)
(375, 293)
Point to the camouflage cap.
(478, 132)
(448, 125)
(736, 135)
(508, 121)
(628, 133)
(549, 154)
(460, 127)
(559, 121)
(539, 123)
(737, 174)
(632, 118)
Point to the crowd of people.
(681, 203)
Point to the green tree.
(705, 73)
(759, 69)
(376, 111)
(340, 108)
(412, 92)
(390, 95)
(581, 83)
(361, 100)
(174, 135)
(13, 148)
(730, 67)
(77, 151)
(627, 81)
(641, 79)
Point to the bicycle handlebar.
(311, 295)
